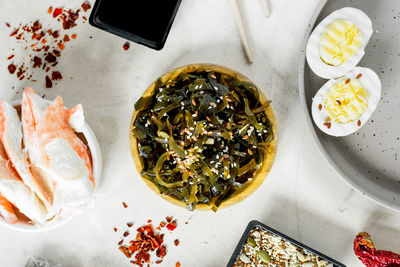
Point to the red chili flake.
(56, 75)
(86, 6)
(176, 242)
(50, 57)
(319, 106)
(61, 46)
(171, 226)
(115, 229)
(186, 222)
(161, 251)
(162, 224)
(50, 10)
(328, 125)
(49, 83)
(10, 57)
(14, 32)
(359, 76)
(126, 233)
(347, 81)
(168, 218)
(36, 26)
(55, 34)
(125, 205)
(177, 264)
(57, 12)
(66, 38)
(126, 251)
(338, 102)
(126, 46)
(120, 242)
(44, 41)
(149, 221)
(158, 261)
(84, 18)
(73, 36)
(37, 62)
(129, 224)
(47, 69)
(8, 24)
(358, 123)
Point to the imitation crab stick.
(14, 190)
(57, 154)
(7, 210)
(11, 139)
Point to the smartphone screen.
(143, 21)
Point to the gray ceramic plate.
(369, 159)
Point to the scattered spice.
(146, 242)
(338, 102)
(49, 83)
(358, 123)
(347, 81)
(359, 76)
(319, 106)
(115, 229)
(56, 75)
(177, 264)
(171, 226)
(126, 46)
(42, 43)
(11, 68)
(86, 6)
(57, 12)
(10, 57)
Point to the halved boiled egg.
(343, 105)
(337, 44)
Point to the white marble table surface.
(302, 197)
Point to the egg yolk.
(339, 42)
(346, 101)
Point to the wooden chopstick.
(242, 30)
(267, 9)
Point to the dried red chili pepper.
(86, 6)
(57, 12)
(11, 68)
(365, 250)
(49, 83)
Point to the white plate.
(97, 167)
(369, 160)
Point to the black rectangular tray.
(255, 223)
(96, 22)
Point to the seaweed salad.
(201, 136)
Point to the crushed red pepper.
(86, 6)
(147, 241)
(39, 41)
(365, 250)
(126, 46)
(115, 229)
(125, 205)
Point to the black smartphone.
(146, 22)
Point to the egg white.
(371, 83)
(319, 67)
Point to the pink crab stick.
(11, 139)
(7, 210)
(56, 152)
(13, 191)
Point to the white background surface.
(302, 197)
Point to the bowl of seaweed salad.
(203, 136)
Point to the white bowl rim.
(94, 146)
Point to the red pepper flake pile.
(147, 241)
(365, 250)
(126, 46)
(44, 44)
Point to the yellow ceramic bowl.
(259, 175)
